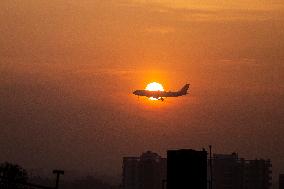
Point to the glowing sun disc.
(154, 86)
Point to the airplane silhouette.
(159, 95)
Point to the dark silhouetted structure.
(186, 169)
(227, 172)
(231, 172)
(257, 173)
(281, 181)
(12, 176)
(145, 172)
(58, 173)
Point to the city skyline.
(151, 171)
(196, 169)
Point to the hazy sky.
(68, 69)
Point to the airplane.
(159, 95)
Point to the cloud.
(214, 10)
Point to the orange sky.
(68, 69)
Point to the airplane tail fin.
(184, 90)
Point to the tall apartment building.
(281, 181)
(257, 174)
(231, 172)
(145, 172)
(186, 169)
(227, 172)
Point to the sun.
(154, 86)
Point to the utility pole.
(58, 173)
(210, 165)
(164, 181)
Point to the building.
(257, 174)
(231, 172)
(186, 169)
(130, 172)
(227, 172)
(145, 172)
(281, 181)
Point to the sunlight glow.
(154, 86)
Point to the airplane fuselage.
(161, 94)
(156, 94)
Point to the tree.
(12, 173)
